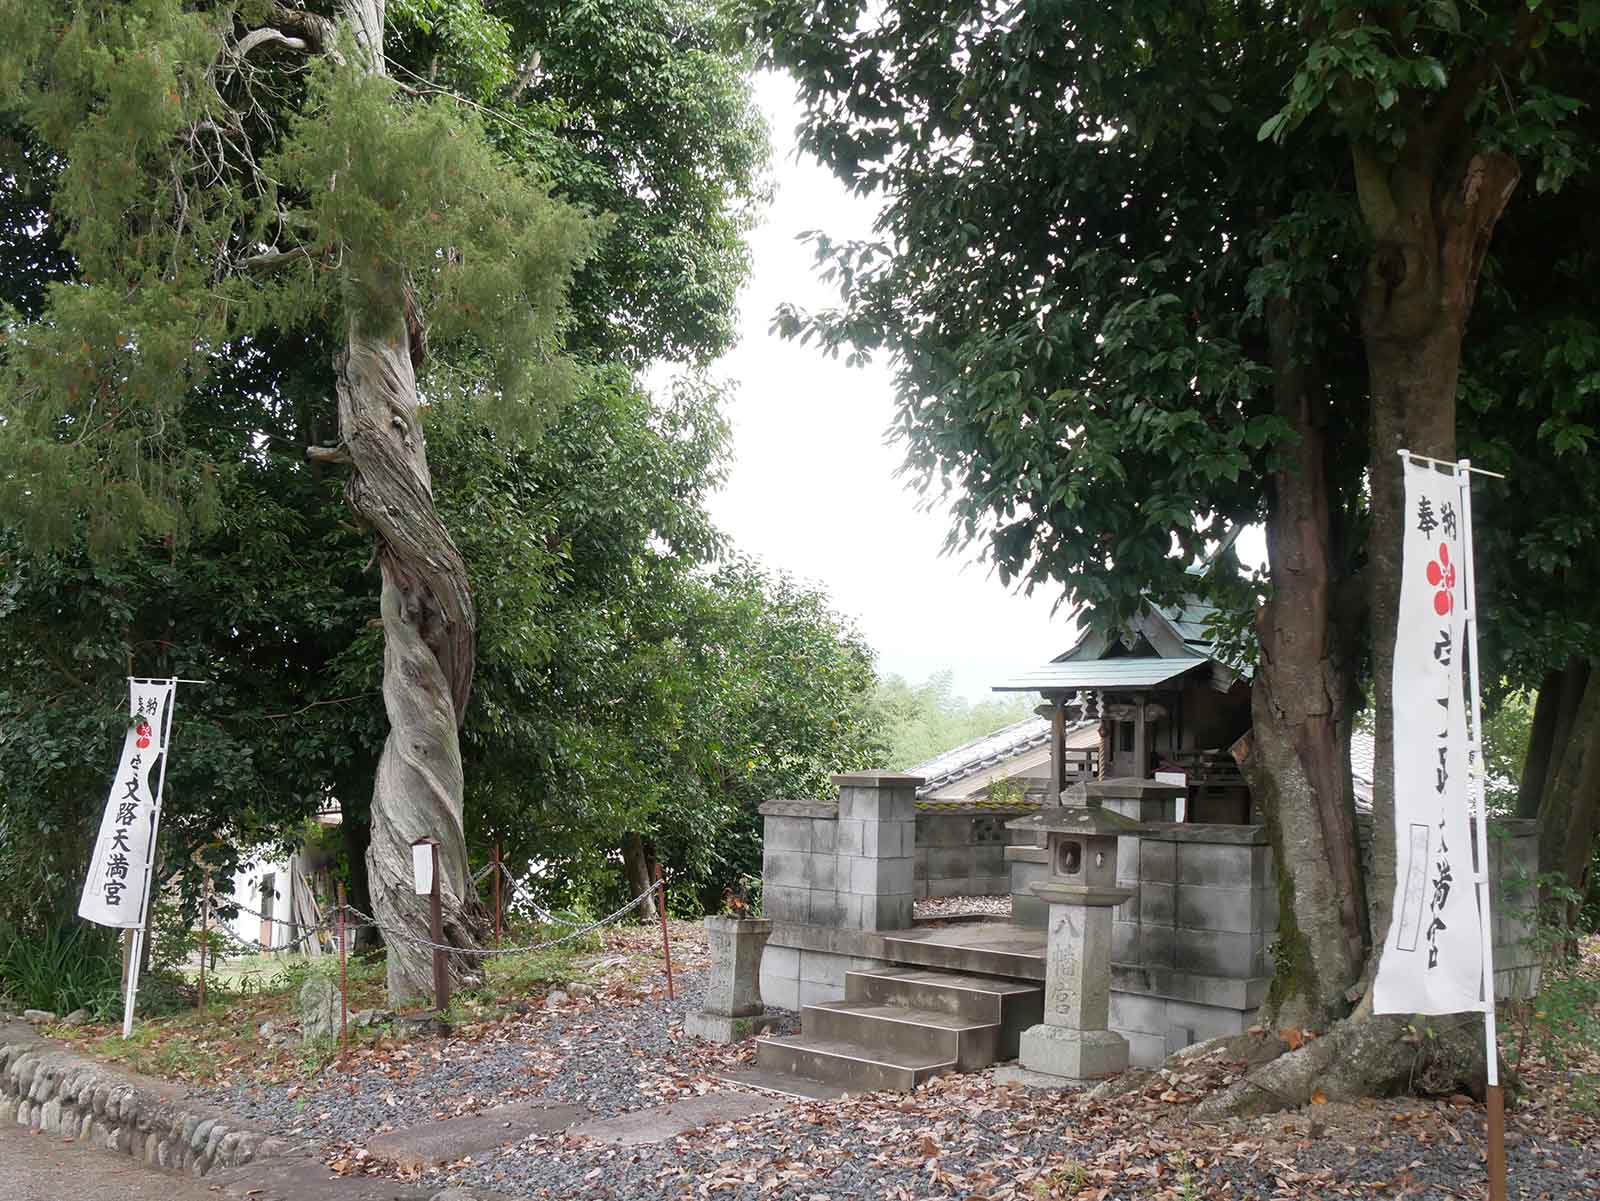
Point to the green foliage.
(186, 375)
(925, 720)
(208, 200)
(641, 109)
(61, 968)
(1563, 1022)
(1507, 726)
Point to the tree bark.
(1299, 760)
(1430, 240)
(1541, 742)
(1569, 811)
(638, 867)
(428, 620)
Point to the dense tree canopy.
(1148, 273)
(205, 203)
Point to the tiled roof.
(960, 762)
(1128, 672)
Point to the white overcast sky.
(813, 489)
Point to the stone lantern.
(1073, 1044)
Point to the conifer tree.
(227, 171)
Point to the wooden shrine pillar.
(1058, 751)
(1141, 736)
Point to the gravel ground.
(615, 1052)
(963, 1138)
(935, 908)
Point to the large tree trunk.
(1569, 809)
(1421, 280)
(638, 867)
(428, 621)
(1430, 235)
(1541, 742)
(1299, 760)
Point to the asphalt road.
(44, 1167)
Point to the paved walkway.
(44, 1167)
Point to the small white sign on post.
(422, 867)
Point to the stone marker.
(733, 1010)
(319, 1009)
(1072, 1045)
(430, 1144)
(660, 1122)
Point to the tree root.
(1364, 1056)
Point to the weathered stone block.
(989, 859)
(824, 834)
(785, 868)
(943, 830)
(822, 871)
(319, 1009)
(1074, 1055)
(1211, 863)
(1156, 861)
(735, 945)
(824, 907)
(785, 903)
(1158, 946)
(886, 911)
(882, 840)
(849, 837)
(1212, 907)
(1124, 941)
(945, 862)
(787, 834)
(1220, 953)
(1157, 906)
(1131, 1012)
(716, 1028)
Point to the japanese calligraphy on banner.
(1433, 959)
(114, 893)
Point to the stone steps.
(897, 1027)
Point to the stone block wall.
(53, 1091)
(961, 850)
(1191, 948)
(799, 864)
(795, 976)
(847, 864)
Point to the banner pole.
(1495, 1097)
(140, 934)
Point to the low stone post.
(1073, 1044)
(733, 1009)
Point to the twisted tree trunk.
(428, 620)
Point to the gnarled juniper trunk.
(428, 619)
(428, 627)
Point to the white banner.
(1432, 961)
(119, 873)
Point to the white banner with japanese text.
(1432, 961)
(114, 892)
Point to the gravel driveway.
(960, 1137)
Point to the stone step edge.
(998, 986)
(834, 1049)
(927, 1019)
(50, 1089)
